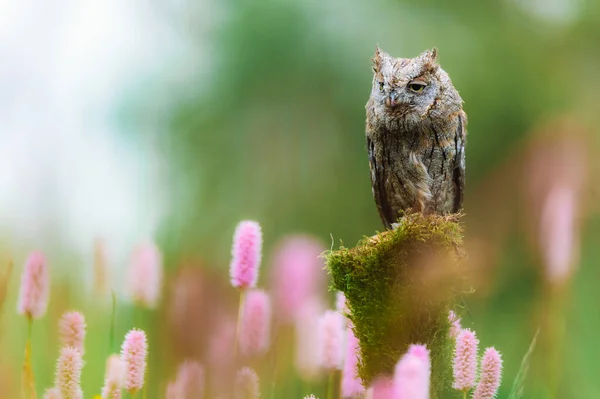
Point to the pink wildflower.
(310, 397)
(221, 342)
(68, 373)
(52, 393)
(114, 379)
(246, 384)
(296, 275)
(351, 385)
(35, 287)
(134, 353)
(330, 340)
(306, 325)
(255, 323)
(465, 360)
(455, 326)
(172, 391)
(340, 302)
(145, 275)
(491, 373)
(383, 388)
(422, 353)
(413, 373)
(246, 254)
(71, 330)
(190, 380)
(557, 232)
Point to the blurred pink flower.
(306, 326)
(114, 379)
(52, 393)
(422, 353)
(190, 380)
(413, 373)
(246, 254)
(296, 275)
(221, 342)
(558, 239)
(330, 340)
(491, 373)
(134, 353)
(145, 275)
(173, 391)
(35, 287)
(71, 330)
(455, 326)
(310, 397)
(255, 323)
(382, 388)
(246, 384)
(68, 373)
(465, 360)
(351, 385)
(340, 302)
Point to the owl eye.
(380, 86)
(416, 87)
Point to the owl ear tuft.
(378, 59)
(429, 60)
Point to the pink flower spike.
(558, 235)
(306, 346)
(351, 385)
(330, 340)
(465, 360)
(413, 373)
(491, 373)
(68, 373)
(114, 379)
(297, 275)
(35, 287)
(340, 302)
(134, 353)
(455, 326)
(246, 384)
(190, 380)
(145, 275)
(383, 388)
(422, 353)
(71, 330)
(52, 393)
(246, 254)
(255, 323)
(173, 391)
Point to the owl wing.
(458, 176)
(378, 185)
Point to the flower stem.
(331, 385)
(28, 379)
(239, 319)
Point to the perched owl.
(416, 131)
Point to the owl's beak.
(391, 100)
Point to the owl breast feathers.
(416, 133)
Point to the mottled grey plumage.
(416, 132)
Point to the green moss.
(399, 287)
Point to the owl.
(416, 133)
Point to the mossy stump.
(399, 287)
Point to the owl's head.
(411, 89)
